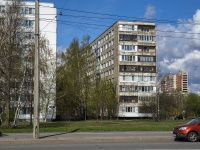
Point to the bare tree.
(48, 79)
(10, 54)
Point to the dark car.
(190, 131)
(178, 117)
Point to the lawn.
(98, 126)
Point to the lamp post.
(36, 74)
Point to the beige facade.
(126, 54)
(172, 82)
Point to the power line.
(65, 3)
(177, 32)
(168, 36)
(63, 7)
(48, 23)
(101, 25)
(137, 18)
(157, 35)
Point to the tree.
(73, 79)
(10, 54)
(16, 63)
(105, 98)
(78, 93)
(193, 104)
(47, 79)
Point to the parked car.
(178, 117)
(189, 131)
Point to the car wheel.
(192, 137)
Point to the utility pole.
(36, 74)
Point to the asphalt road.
(132, 145)
(94, 141)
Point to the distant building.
(126, 54)
(172, 82)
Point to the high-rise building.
(172, 82)
(48, 30)
(126, 54)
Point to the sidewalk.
(85, 137)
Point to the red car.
(190, 131)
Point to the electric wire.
(137, 18)
(100, 25)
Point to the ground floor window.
(131, 109)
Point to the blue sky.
(177, 23)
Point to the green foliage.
(12, 113)
(11, 58)
(169, 105)
(78, 93)
(3, 117)
(73, 80)
(193, 104)
(105, 98)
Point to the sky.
(177, 25)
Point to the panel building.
(48, 30)
(172, 82)
(126, 54)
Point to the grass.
(97, 126)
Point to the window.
(145, 29)
(126, 27)
(112, 52)
(146, 38)
(112, 71)
(132, 88)
(28, 23)
(26, 10)
(124, 78)
(112, 61)
(133, 78)
(128, 47)
(25, 35)
(124, 37)
(112, 42)
(145, 49)
(147, 69)
(109, 44)
(106, 36)
(128, 58)
(26, 47)
(129, 109)
(127, 68)
(2, 9)
(147, 58)
(109, 34)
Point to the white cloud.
(61, 49)
(150, 12)
(179, 50)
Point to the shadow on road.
(58, 134)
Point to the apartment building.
(172, 82)
(48, 29)
(126, 54)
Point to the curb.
(77, 140)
